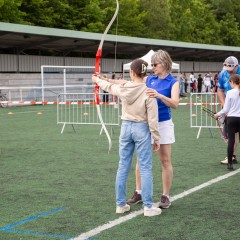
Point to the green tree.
(90, 15)
(222, 7)
(46, 13)
(93, 17)
(229, 34)
(9, 11)
(193, 21)
(206, 28)
(157, 18)
(227, 14)
(131, 19)
(199, 21)
(96, 15)
(181, 20)
(75, 14)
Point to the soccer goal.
(65, 79)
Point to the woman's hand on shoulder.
(152, 93)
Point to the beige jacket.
(136, 105)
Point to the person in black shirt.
(199, 83)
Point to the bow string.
(97, 72)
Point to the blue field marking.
(9, 228)
(31, 218)
(39, 233)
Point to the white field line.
(120, 220)
(43, 110)
(25, 112)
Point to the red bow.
(97, 71)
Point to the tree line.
(198, 21)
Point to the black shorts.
(233, 122)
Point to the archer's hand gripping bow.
(212, 113)
(219, 120)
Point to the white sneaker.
(122, 209)
(152, 211)
(225, 161)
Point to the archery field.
(62, 186)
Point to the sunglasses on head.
(154, 64)
(228, 65)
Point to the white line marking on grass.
(44, 110)
(206, 184)
(120, 220)
(25, 112)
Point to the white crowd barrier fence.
(80, 108)
(199, 118)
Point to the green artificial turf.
(42, 170)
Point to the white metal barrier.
(199, 118)
(80, 108)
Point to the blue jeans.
(134, 134)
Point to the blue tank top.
(164, 87)
(223, 80)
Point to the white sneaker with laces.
(152, 211)
(122, 209)
(225, 161)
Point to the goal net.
(65, 79)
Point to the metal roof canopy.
(19, 39)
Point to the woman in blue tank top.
(165, 88)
